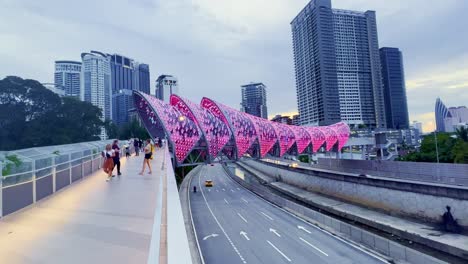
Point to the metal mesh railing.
(28, 175)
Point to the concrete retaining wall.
(356, 234)
(445, 173)
(391, 200)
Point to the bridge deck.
(91, 221)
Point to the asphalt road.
(235, 226)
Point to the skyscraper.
(122, 72)
(142, 78)
(337, 66)
(254, 99)
(122, 102)
(97, 84)
(441, 112)
(165, 86)
(68, 77)
(396, 106)
(126, 75)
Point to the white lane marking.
(244, 200)
(275, 232)
(244, 234)
(279, 251)
(193, 223)
(232, 190)
(212, 235)
(238, 189)
(224, 190)
(359, 248)
(217, 190)
(222, 229)
(267, 216)
(242, 217)
(226, 201)
(316, 248)
(303, 228)
(209, 190)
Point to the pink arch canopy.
(212, 124)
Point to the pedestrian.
(127, 150)
(140, 143)
(108, 166)
(160, 142)
(136, 146)
(148, 155)
(116, 149)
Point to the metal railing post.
(54, 176)
(34, 180)
(1, 189)
(82, 165)
(70, 167)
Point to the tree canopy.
(452, 148)
(33, 116)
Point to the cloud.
(214, 46)
(428, 120)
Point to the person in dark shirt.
(116, 148)
(136, 146)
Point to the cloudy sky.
(214, 46)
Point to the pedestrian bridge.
(68, 213)
(211, 131)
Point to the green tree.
(133, 129)
(111, 129)
(428, 153)
(32, 116)
(462, 133)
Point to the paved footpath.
(90, 221)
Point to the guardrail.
(45, 174)
(169, 242)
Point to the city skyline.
(436, 65)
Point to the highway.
(235, 226)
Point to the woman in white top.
(148, 153)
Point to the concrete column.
(363, 154)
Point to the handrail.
(30, 176)
(48, 167)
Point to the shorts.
(148, 156)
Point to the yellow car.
(208, 183)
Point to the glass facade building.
(142, 77)
(254, 100)
(441, 112)
(97, 84)
(67, 77)
(393, 76)
(337, 64)
(127, 75)
(123, 102)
